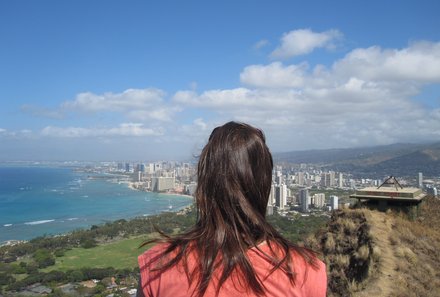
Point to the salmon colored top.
(309, 281)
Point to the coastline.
(83, 202)
(136, 187)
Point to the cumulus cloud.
(304, 41)
(237, 99)
(367, 97)
(420, 62)
(128, 100)
(274, 75)
(364, 98)
(141, 105)
(125, 129)
(158, 113)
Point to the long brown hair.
(234, 181)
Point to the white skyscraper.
(319, 200)
(420, 180)
(332, 178)
(341, 180)
(271, 201)
(281, 196)
(334, 202)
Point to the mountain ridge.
(401, 159)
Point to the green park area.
(119, 255)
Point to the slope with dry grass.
(370, 253)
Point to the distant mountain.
(401, 159)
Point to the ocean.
(37, 201)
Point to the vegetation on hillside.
(369, 253)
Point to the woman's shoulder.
(310, 277)
(302, 259)
(148, 256)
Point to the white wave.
(72, 219)
(38, 222)
(7, 225)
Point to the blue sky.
(149, 80)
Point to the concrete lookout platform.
(391, 197)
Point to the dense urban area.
(296, 188)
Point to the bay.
(36, 201)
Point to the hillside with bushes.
(371, 253)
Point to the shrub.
(330, 243)
(43, 258)
(59, 253)
(362, 253)
(6, 279)
(89, 243)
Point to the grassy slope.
(402, 256)
(409, 264)
(119, 254)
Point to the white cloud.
(260, 44)
(365, 98)
(420, 62)
(158, 113)
(125, 129)
(143, 105)
(274, 75)
(304, 41)
(200, 124)
(128, 100)
(238, 99)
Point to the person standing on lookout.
(232, 250)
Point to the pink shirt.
(173, 282)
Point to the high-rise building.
(341, 180)
(300, 178)
(420, 180)
(281, 196)
(318, 200)
(162, 183)
(304, 199)
(325, 179)
(332, 178)
(271, 195)
(334, 202)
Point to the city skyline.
(108, 80)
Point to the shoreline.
(12, 242)
(27, 230)
(132, 186)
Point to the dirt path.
(383, 280)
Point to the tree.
(6, 279)
(44, 258)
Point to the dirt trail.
(384, 278)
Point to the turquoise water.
(37, 201)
